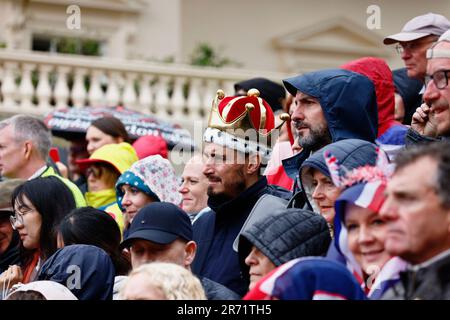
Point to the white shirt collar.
(38, 172)
(422, 91)
(430, 261)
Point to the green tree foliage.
(205, 55)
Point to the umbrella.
(72, 123)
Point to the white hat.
(49, 289)
(419, 27)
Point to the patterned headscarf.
(154, 176)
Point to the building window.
(86, 47)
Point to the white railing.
(36, 83)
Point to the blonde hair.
(174, 281)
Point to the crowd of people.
(335, 185)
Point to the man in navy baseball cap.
(161, 231)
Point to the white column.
(194, 102)
(9, 88)
(162, 97)
(210, 91)
(145, 94)
(228, 87)
(178, 100)
(95, 91)
(61, 92)
(79, 90)
(129, 94)
(43, 90)
(112, 93)
(26, 89)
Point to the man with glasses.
(431, 120)
(417, 217)
(416, 37)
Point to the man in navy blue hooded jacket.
(330, 105)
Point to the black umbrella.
(72, 123)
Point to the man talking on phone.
(431, 121)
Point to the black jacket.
(427, 283)
(413, 138)
(216, 230)
(216, 291)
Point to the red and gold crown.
(248, 119)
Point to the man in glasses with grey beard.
(431, 121)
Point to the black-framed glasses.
(440, 78)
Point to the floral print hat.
(154, 176)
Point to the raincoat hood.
(120, 155)
(380, 74)
(351, 153)
(154, 176)
(347, 99)
(51, 290)
(85, 270)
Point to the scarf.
(101, 198)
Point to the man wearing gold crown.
(236, 144)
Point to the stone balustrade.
(36, 83)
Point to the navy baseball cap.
(159, 222)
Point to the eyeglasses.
(440, 79)
(410, 46)
(95, 171)
(14, 219)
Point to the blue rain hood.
(347, 99)
(85, 270)
(351, 153)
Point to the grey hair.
(437, 151)
(30, 128)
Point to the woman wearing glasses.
(39, 206)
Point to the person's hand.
(10, 277)
(423, 121)
(63, 169)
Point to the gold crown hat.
(243, 123)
